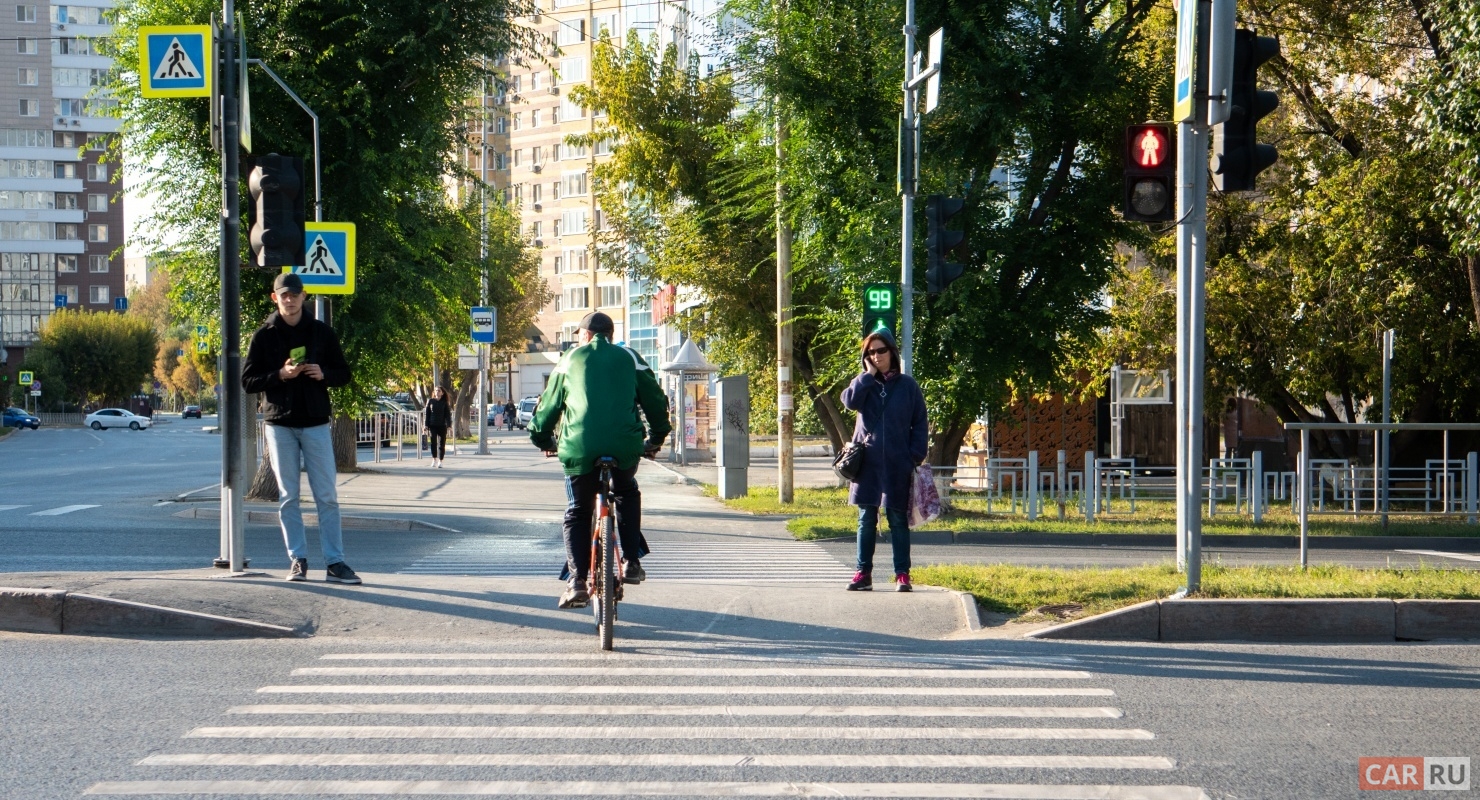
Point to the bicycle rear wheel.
(607, 611)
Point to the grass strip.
(1010, 589)
(825, 514)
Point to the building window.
(574, 221)
(70, 292)
(500, 125)
(65, 169)
(534, 193)
(97, 202)
(572, 70)
(557, 265)
(27, 76)
(570, 109)
(555, 115)
(535, 155)
(66, 139)
(516, 121)
(97, 172)
(25, 13)
(555, 190)
(30, 108)
(97, 142)
(571, 32)
(66, 263)
(25, 46)
(67, 202)
(556, 225)
(573, 184)
(519, 193)
(575, 259)
(534, 118)
(65, 46)
(97, 233)
(536, 228)
(96, 264)
(580, 297)
(609, 296)
(516, 158)
(498, 161)
(97, 294)
(534, 81)
(68, 231)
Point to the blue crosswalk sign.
(329, 249)
(175, 60)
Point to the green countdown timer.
(881, 308)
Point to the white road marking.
(53, 512)
(10, 508)
(748, 562)
(714, 672)
(1441, 554)
(1025, 712)
(483, 688)
(648, 732)
(999, 791)
(655, 760)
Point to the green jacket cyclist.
(595, 404)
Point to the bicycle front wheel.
(608, 580)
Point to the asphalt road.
(902, 716)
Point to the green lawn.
(1013, 589)
(825, 513)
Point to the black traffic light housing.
(1238, 157)
(941, 242)
(881, 308)
(1150, 172)
(276, 183)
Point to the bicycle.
(603, 583)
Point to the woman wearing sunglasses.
(893, 428)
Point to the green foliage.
(85, 356)
(390, 85)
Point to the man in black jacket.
(292, 361)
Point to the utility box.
(733, 442)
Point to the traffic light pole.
(907, 172)
(233, 532)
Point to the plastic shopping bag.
(924, 499)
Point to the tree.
(98, 357)
(389, 88)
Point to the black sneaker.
(339, 572)
(575, 595)
(632, 572)
(299, 570)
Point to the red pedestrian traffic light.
(1150, 173)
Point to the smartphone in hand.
(298, 354)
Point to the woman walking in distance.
(439, 416)
(893, 427)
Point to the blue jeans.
(311, 450)
(868, 537)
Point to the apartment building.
(61, 214)
(523, 158)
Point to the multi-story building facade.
(523, 158)
(61, 212)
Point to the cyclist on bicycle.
(591, 405)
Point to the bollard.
(1256, 486)
(1470, 470)
(1302, 496)
(1059, 491)
(1032, 497)
(1091, 488)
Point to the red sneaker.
(862, 582)
(903, 579)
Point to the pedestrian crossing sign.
(329, 249)
(174, 60)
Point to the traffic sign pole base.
(225, 563)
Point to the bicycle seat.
(606, 461)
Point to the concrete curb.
(1280, 620)
(970, 610)
(679, 478)
(309, 518)
(58, 611)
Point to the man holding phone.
(292, 361)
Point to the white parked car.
(116, 418)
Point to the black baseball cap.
(289, 281)
(597, 322)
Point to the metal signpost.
(909, 171)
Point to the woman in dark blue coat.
(893, 427)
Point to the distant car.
(189, 412)
(526, 411)
(116, 418)
(19, 418)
